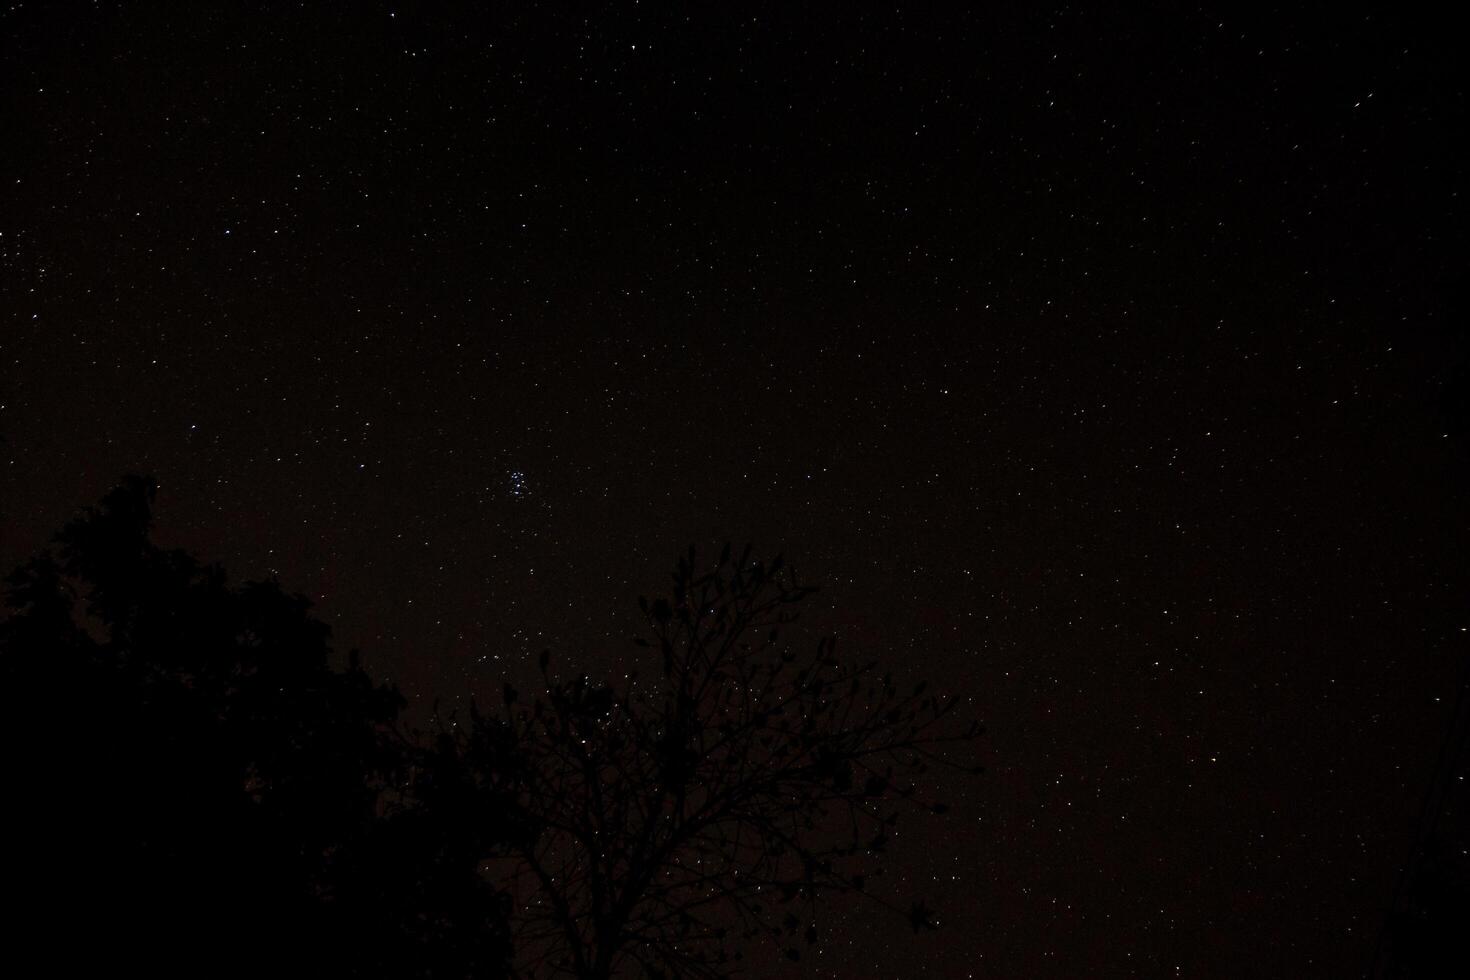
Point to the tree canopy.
(713, 799)
(197, 790)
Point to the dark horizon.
(1106, 369)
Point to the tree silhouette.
(195, 791)
(673, 820)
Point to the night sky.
(1093, 364)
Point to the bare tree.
(680, 818)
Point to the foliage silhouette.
(197, 792)
(686, 815)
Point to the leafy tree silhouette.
(195, 791)
(675, 820)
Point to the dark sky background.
(1092, 363)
